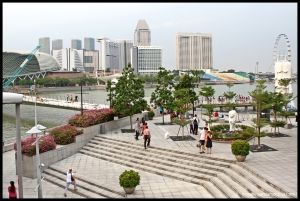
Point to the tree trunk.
(130, 121)
(163, 116)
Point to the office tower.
(76, 44)
(69, 59)
(193, 51)
(45, 45)
(109, 55)
(146, 59)
(142, 34)
(124, 53)
(89, 43)
(57, 44)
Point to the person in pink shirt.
(147, 137)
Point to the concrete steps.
(220, 177)
(86, 188)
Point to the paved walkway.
(280, 167)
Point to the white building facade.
(69, 59)
(193, 51)
(146, 59)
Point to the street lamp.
(35, 130)
(13, 98)
(81, 101)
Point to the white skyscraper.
(57, 44)
(45, 45)
(193, 51)
(124, 53)
(142, 34)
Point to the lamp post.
(35, 130)
(13, 98)
(81, 101)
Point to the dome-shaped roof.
(142, 24)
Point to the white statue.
(232, 119)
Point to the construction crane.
(11, 79)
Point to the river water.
(53, 116)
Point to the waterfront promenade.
(50, 102)
(279, 167)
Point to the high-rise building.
(69, 59)
(124, 53)
(57, 44)
(114, 55)
(45, 45)
(89, 43)
(90, 60)
(193, 51)
(142, 34)
(146, 59)
(76, 44)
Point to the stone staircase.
(218, 178)
(86, 188)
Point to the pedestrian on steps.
(147, 137)
(137, 129)
(70, 180)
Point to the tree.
(197, 76)
(184, 96)
(129, 94)
(229, 95)
(111, 94)
(182, 99)
(162, 96)
(277, 100)
(287, 98)
(186, 82)
(260, 99)
(208, 92)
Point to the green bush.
(65, 134)
(220, 127)
(151, 114)
(240, 147)
(129, 179)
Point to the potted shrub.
(150, 114)
(240, 148)
(129, 179)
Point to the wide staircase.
(218, 178)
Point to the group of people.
(205, 140)
(142, 129)
(194, 124)
(70, 98)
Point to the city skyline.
(242, 33)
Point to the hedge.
(65, 134)
(46, 143)
(92, 117)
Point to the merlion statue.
(232, 119)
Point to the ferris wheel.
(276, 51)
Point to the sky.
(242, 33)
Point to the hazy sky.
(242, 33)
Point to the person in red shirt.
(12, 192)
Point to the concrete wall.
(62, 152)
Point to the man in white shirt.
(70, 180)
(202, 139)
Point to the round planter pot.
(129, 190)
(240, 158)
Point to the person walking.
(195, 125)
(147, 137)
(208, 142)
(202, 139)
(191, 125)
(70, 180)
(137, 129)
(12, 192)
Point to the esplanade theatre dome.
(39, 62)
